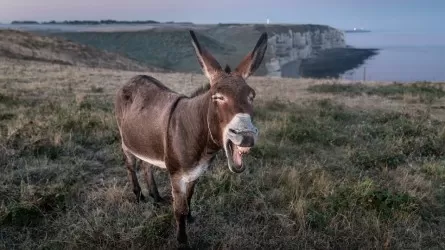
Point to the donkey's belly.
(146, 147)
(149, 159)
(143, 135)
(157, 163)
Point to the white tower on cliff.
(267, 20)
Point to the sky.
(370, 14)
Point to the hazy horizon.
(377, 15)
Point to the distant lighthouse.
(267, 20)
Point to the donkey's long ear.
(209, 65)
(253, 60)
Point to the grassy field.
(339, 165)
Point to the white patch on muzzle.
(240, 123)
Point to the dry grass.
(331, 171)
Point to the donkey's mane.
(201, 90)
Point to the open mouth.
(235, 155)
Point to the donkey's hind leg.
(130, 163)
(150, 181)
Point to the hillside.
(289, 45)
(165, 48)
(29, 46)
(338, 165)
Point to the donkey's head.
(232, 101)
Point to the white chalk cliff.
(294, 46)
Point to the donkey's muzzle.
(243, 138)
(240, 136)
(241, 131)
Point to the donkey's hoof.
(159, 201)
(168, 198)
(190, 219)
(140, 198)
(183, 246)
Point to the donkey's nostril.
(232, 131)
(248, 141)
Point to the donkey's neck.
(192, 113)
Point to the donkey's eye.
(218, 97)
(250, 98)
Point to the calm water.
(403, 56)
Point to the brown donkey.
(183, 134)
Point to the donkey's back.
(142, 108)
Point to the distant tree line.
(230, 24)
(24, 22)
(87, 22)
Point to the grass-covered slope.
(29, 46)
(170, 49)
(332, 170)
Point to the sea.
(403, 56)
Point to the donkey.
(183, 134)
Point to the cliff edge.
(290, 45)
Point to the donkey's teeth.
(243, 150)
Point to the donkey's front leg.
(180, 208)
(190, 190)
